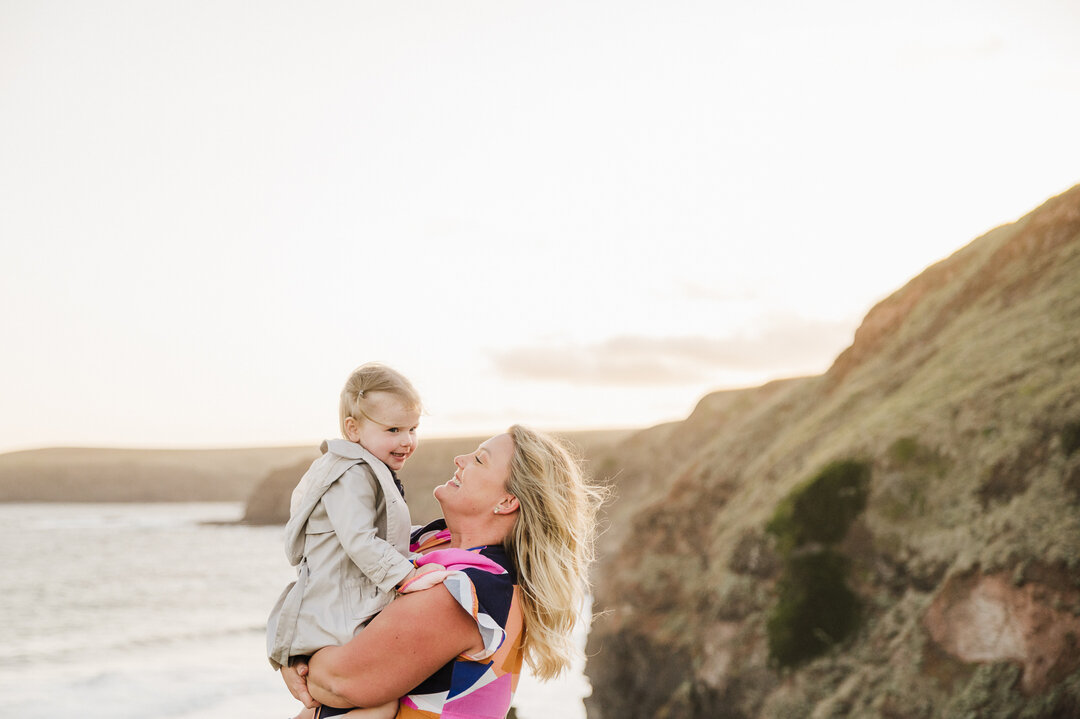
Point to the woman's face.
(479, 484)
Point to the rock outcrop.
(961, 394)
(981, 618)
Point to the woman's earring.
(496, 510)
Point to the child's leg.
(383, 711)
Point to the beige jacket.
(348, 537)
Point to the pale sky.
(567, 214)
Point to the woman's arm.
(405, 644)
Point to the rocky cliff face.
(950, 588)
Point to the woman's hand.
(403, 645)
(295, 676)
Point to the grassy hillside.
(263, 477)
(959, 397)
(72, 474)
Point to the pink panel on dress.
(493, 699)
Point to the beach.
(157, 610)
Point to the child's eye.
(478, 459)
(393, 429)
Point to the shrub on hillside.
(822, 509)
(904, 450)
(815, 607)
(1070, 437)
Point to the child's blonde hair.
(374, 377)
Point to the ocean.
(154, 611)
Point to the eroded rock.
(988, 618)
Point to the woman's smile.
(488, 469)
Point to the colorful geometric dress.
(484, 583)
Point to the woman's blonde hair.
(374, 377)
(551, 544)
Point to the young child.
(348, 529)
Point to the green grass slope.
(958, 394)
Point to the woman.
(521, 506)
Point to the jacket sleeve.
(350, 504)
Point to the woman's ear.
(508, 505)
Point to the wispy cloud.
(782, 344)
(699, 291)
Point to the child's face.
(390, 433)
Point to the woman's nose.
(459, 460)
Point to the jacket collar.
(345, 448)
